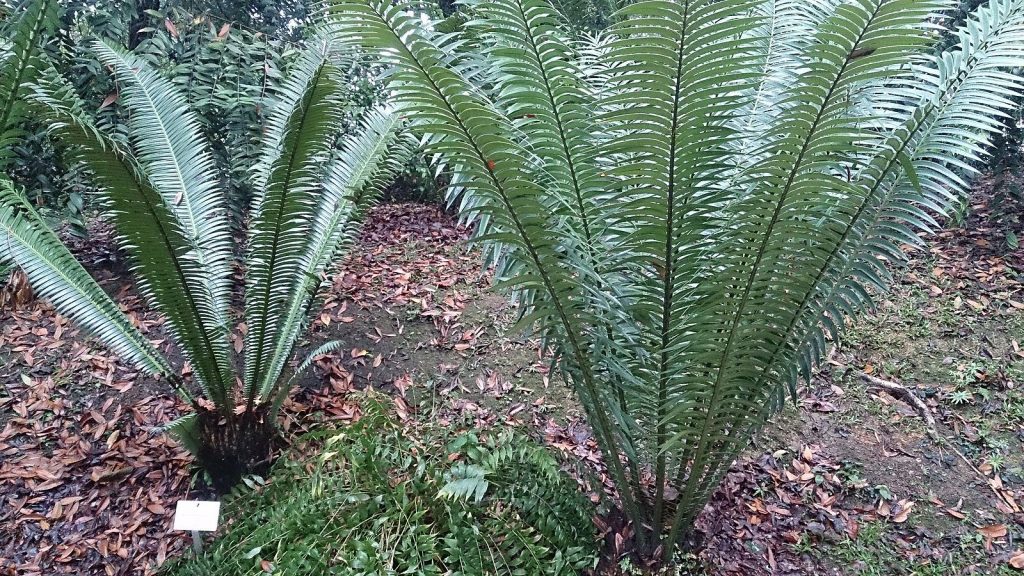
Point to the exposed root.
(901, 392)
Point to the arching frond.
(693, 201)
(787, 28)
(163, 258)
(31, 22)
(354, 177)
(501, 176)
(533, 66)
(171, 150)
(26, 241)
(908, 181)
(794, 211)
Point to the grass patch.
(876, 552)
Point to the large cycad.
(692, 204)
(165, 197)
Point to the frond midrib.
(275, 239)
(700, 454)
(668, 283)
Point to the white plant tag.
(197, 515)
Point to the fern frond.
(352, 183)
(31, 22)
(162, 256)
(776, 233)
(171, 150)
(465, 128)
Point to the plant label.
(196, 515)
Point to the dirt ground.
(848, 482)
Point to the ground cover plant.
(161, 190)
(691, 205)
(379, 497)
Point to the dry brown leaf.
(993, 531)
(905, 506)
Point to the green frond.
(169, 146)
(793, 214)
(690, 204)
(31, 22)
(539, 88)
(168, 271)
(185, 431)
(307, 121)
(56, 275)
(906, 180)
(354, 178)
(786, 30)
(504, 184)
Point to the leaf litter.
(88, 482)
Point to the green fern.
(691, 204)
(382, 500)
(30, 24)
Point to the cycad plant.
(692, 204)
(160, 189)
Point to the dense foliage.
(222, 69)
(691, 205)
(373, 499)
(223, 56)
(161, 188)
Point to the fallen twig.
(897, 390)
(903, 393)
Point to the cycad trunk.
(234, 446)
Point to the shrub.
(692, 204)
(374, 500)
(162, 191)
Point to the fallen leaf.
(993, 531)
(110, 99)
(904, 513)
